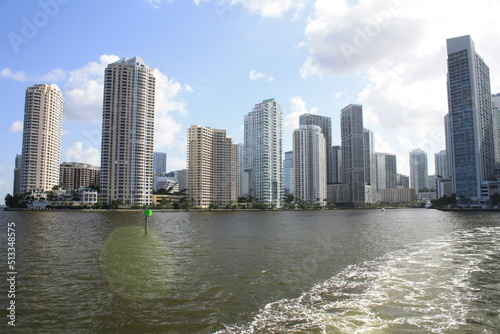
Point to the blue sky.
(215, 59)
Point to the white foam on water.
(425, 288)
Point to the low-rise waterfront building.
(397, 195)
(75, 175)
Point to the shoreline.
(468, 209)
(200, 210)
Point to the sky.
(215, 59)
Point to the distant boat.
(428, 205)
(383, 209)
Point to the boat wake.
(449, 283)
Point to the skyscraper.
(386, 171)
(41, 154)
(353, 162)
(336, 155)
(212, 176)
(369, 154)
(128, 132)
(419, 171)
(496, 125)
(442, 165)
(325, 123)
(263, 132)
(449, 144)
(288, 174)
(17, 175)
(242, 179)
(470, 110)
(159, 163)
(309, 154)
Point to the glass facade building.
(471, 123)
(353, 162)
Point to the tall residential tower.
(325, 123)
(419, 170)
(264, 152)
(41, 155)
(496, 125)
(212, 175)
(128, 132)
(309, 155)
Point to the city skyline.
(200, 50)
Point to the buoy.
(147, 213)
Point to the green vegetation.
(445, 201)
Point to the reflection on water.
(415, 271)
(138, 265)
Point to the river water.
(340, 271)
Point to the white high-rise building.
(264, 152)
(42, 132)
(128, 132)
(471, 122)
(310, 171)
(212, 175)
(442, 165)
(419, 171)
(325, 123)
(386, 171)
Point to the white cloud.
(271, 8)
(83, 101)
(167, 129)
(154, 3)
(340, 94)
(84, 89)
(254, 75)
(398, 48)
(17, 126)
(297, 108)
(175, 163)
(55, 75)
(80, 152)
(265, 8)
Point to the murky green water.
(411, 271)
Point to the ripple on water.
(435, 286)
